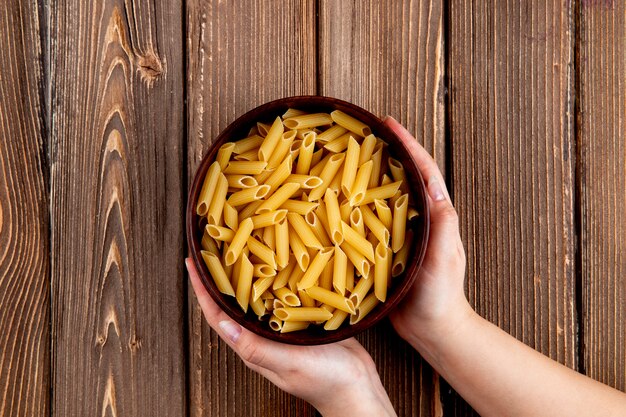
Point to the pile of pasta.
(306, 220)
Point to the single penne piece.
(349, 276)
(339, 316)
(305, 154)
(216, 270)
(231, 216)
(377, 158)
(384, 213)
(339, 144)
(316, 225)
(305, 181)
(380, 193)
(239, 241)
(350, 123)
(360, 290)
(208, 189)
(228, 268)
(294, 278)
(245, 167)
(249, 210)
(306, 300)
(268, 238)
(301, 207)
(294, 326)
(271, 139)
(322, 215)
(220, 233)
(244, 283)
(359, 188)
(335, 183)
(251, 155)
(328, 173)
(367, 149)
(331, 298)
(399, 260)
(317, 169)
(278, 198)
(386, 180)
(263, 176)
(262, 251)
(248, 195)
(224, 153)
(269, 304)
(236, 268)
(357, 241)
(357, 258)
(334, 216)
(282, 149)
(331, 133)
(287, 297)
(292, 113)
(399, 222)
(247, 144)
(316, 159)
(351, 165)
(261, 285)
(268, 219)
(326, 277)
(412, 213)
(308, 121)
(303, 230)
(278, 304)
(258, 306)
(262, 128)
(301, 133)
(381, 271)
(376, 226)
(218, 199)
(264, 271)
(398, 174)
(302, 314)
(283, 275)
(281, 234)
(312, 274)
(275, 323)
(280, 174)
(356, 221)
(241, 181)
(208, 244)
(339, 270)
(367, 305)
(299, 249)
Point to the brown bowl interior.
(314, 335)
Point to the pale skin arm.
(494, 372)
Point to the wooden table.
(107, 107)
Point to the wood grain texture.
(117, 177)
(24, 220)
(513, 150)
(601, 63)
(240, 55)
(369, 59)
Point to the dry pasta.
(313, 218)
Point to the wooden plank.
(367, 58)
(601, 63)
(513, 149)
(117, 233)
(24, 218)
(240, 55)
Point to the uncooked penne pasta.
(244, 283)
(359, 188)
(295, 277)
(216, 270)
(281, 234)
(267, 219)
(216, 207)
(224, 153)
(282, 149)
(360, 290)
(357, 258)
(241, 181)
(358, 242)
(283, 276)
(375, 225)
(220, 233)
(287, 297)
(305, 154)
(331, 298)
(384, 213)
(245, 167)
(356, 221)
(381, 271)
(301, 207)
(248, 195)
(339, 144)
(249, 209)
(305, 181)
(412, 213)
(250, 143)
(262, 251)
(334, 216)
(294, 326)
(275, 323)
(280, 174)
(308, 120)
(367, 305)
(312, 273)
(302, 314)
(380, 193)
(336, 320)
(317, 169)
(316, 225)
(367, 149)
(303, 230)
(299, 249)
(268, 237)
(399, 223)
(258, 306)
(316, 159)
(398, 174)
(263, 271)
(208, 244)
(399, 260)
(278, 198)
(238, 241)
(208, 189)
(231, 216)
(306, 299)
(271, 139)
(331, 133)
(339, 270)
(351, 165)
(377, 158)
(292, 112)
(345, 209)
(326, 277)
(350, 123)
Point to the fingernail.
(435, 190)
(388, 117)
(231, 330)
(187, 263)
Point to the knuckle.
(251, 353)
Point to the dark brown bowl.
(314, 335)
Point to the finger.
(444, 241)
(425, 162)
(255, 350)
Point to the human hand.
(338, 379)
(437, 299)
